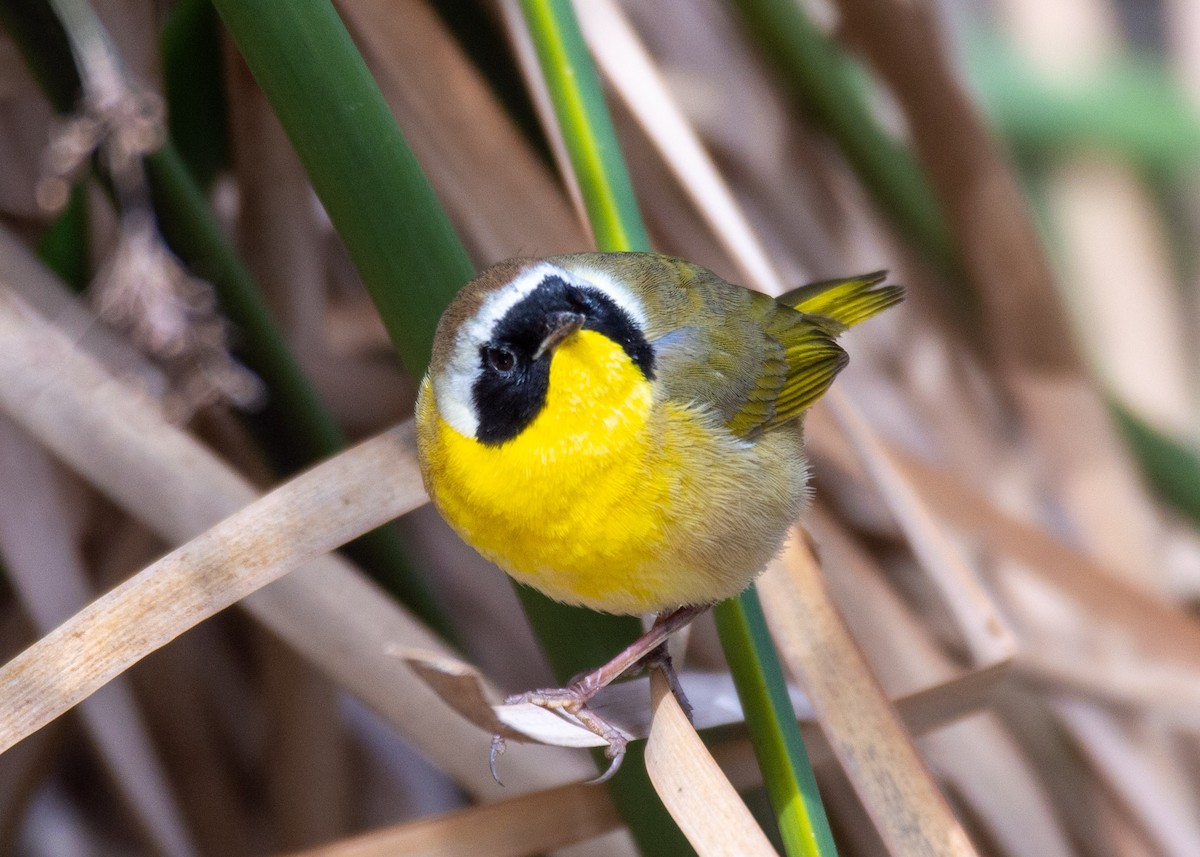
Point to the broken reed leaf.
(120, 442)
(461, 686)
(692, 787)
(576, 811)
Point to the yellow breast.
(572, 505)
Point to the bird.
(624, 432)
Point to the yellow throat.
(571, 505)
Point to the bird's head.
(497, 340)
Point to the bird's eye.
(500, 359)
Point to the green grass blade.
(617, 225)
(586, 126)
(787, 772)
(194, 80)
(374, 191)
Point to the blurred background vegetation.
(252, 215)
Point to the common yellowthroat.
(623, 431)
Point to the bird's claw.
(570, 701)
(498, 748)
(616, 752)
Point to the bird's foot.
(572, 700)
(660, 659)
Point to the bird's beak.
(561, 325)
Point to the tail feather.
(846, 302)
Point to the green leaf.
(586, 127)
(1171, 466)
(194, 79)
(362, 169)
(771, 719)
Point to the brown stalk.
(326, 610)
(518, 826)
(863, 729)
(1028, 332)
(693, 789)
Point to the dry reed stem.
(1028, 332)
(228, 562)
(46, 570)
(693, 789)
(623, 59)
(515, 827)
(1135, 778)
(1159, 629)
(1000, 250)
(983, 628)
(782, 172)
(978, 757)
(327, 611)
(863, 729)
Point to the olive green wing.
(756, 362)
(806, 323)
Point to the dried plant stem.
(699, 797)
(1026, 326)
(119, 441)
(983, 628)
(529, 824)
(864, 730)
(46, 571)
(626, 63)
